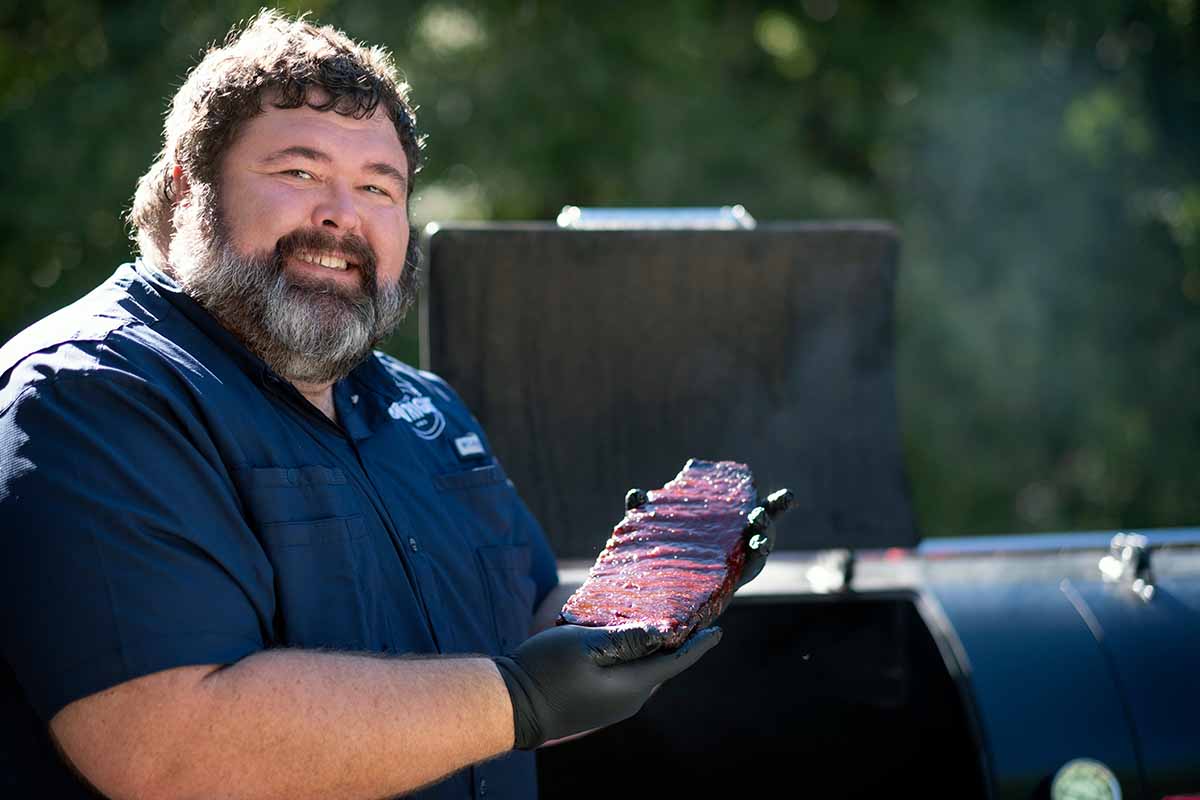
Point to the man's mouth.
(325, 258)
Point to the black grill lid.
(601, 360)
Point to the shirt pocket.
(505, 570)
(274, 495)
(327, 577)
(483, 501)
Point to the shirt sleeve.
(123, 551)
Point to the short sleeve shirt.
(168, 500)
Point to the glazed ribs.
(673, 562)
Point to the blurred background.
(1040, 160)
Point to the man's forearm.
(290, 723)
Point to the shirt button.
(413, 544)
(354, 399)
(483, 787)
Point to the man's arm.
(294, 724)
(289, 723)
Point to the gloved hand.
(571, 679)
(759, 539)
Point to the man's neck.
(320, 395)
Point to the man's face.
(300, 248)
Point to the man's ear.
(181, 187)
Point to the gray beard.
(307, 331)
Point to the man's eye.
(299, 173)
(378, 190)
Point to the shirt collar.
(358, 418)
(375, 389)
(173, 292)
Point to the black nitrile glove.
(758, 535)
(572, 679)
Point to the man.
(242, 554)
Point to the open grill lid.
(598, 360)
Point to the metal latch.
(1128, 563)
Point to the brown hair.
(287, 58)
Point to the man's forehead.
(338, 135)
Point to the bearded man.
(243, 555)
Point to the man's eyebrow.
(296, 151)
(388, 171)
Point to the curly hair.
(295, 63)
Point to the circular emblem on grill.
(418, 411)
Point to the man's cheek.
(261, 224)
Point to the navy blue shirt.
(167, 500)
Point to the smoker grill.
(861, 661)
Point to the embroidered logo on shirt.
(418, 411)
(469, 445)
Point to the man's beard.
(306, 329)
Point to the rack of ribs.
(673, 562)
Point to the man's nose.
(337, 209)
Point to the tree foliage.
(1042, 162)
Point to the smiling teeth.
(324, 259)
